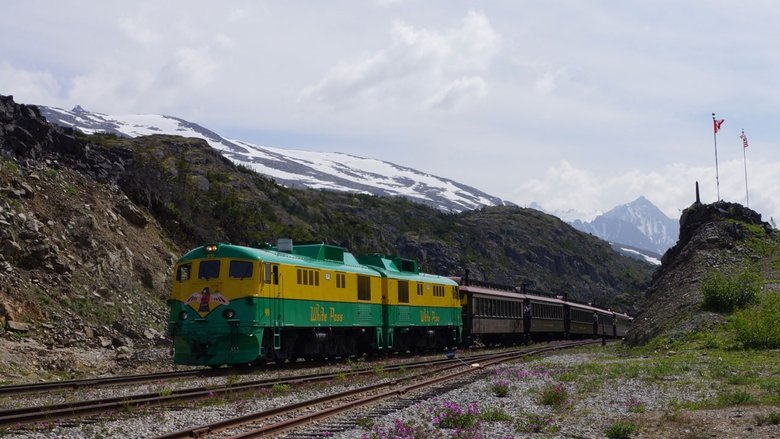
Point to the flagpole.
(715, 139)
(744, 160)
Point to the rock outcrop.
(81, 266)
(721, 236)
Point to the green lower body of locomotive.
(247, 329)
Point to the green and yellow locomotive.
(236, 305)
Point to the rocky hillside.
(81, 266)
(720, 237)
(92, 225)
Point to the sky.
(574, 105)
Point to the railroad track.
(49, 386)
(31, 418)
(18, 417)
(296, 416)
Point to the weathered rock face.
(71, 243)
(718, 236)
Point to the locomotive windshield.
(208, 270)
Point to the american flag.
(744, 139)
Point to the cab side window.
(364, 288)
(403, 291)
(184, 272)
(240, 269)
(271, 274)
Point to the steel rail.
(29, 415)
(290, 424)
(199, 431)
(15, 389)
(26, 388)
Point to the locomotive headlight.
(211, 248)
(183, 315)
(229, 314)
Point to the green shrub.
(739, 397)
(399, 429)
(725, 293)
(772, 387)
(452, 415)
(535, 423)
(620, 430)
(769, 419)
(757, 327)
(494, 415)
(635, 406)
(500, 388)
(365, 423)
(554, 395)
(280, 389)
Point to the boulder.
(17, 326)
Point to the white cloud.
(137, 29)
(422, 69)
(672, 188)
(548, 81)
(27, 86)
(236, 14)
(458, 91)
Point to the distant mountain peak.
(294, 168)
(639, 224)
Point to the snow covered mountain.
(638, 224)
(568, 215)
(293, 168)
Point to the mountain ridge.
(289, 167)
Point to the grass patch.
(554, 395)
(768, 419)
(739, 397)
(726, 292)
(400, 429)
(757, 327)
(280, 389)
(494, 415)
(365, 423)
(454, 416)
(661, 370)
(620, 430)
(635, 406)
(535, 423)
(500, 388)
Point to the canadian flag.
(716, 123)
